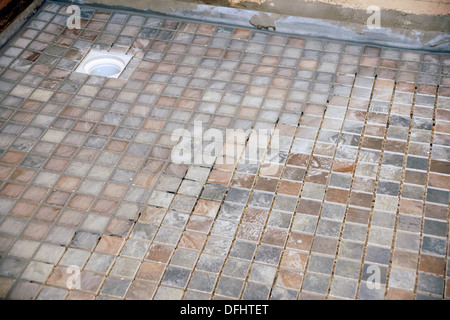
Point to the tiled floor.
(357, 207)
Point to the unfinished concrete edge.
(20, 20)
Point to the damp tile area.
(92, 205)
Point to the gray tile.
(229, 287)
(177, 277)
(116, 287)
(314, 282)
(202, 281)
(243, 250)
(430, 283)
(255, 291)
(84, 240)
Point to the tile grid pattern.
(362, 180)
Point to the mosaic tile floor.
(93, 207)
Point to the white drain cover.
(103, 63)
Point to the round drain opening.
(104, 70)
(105, 66)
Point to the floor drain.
(105, 64)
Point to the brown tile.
(58, 198)
(159, 253)
(241, 34)
(36, 230)
(145, 180)
(296, 42)
(411, 206)
(440, 166)
(68, 183)
(405, 259)
(70, 217)
(59, 277)
(34, 193)
(266, 184)
(55, 164)
(242, 180)
(324, 245)
(5, 172)
(311, 207)
(119, 227)
(83, 126)
(361, 199)
(153, 166)
(200, 223)
(81, 202)
(308, 64)
(415, 177)
(247, 112)
(24, 117)
(178, 170)
(59, 74)
(154, 124)
(23, 209)
(336, 195)
(294, 259)
(104, 206)
(281, 82)
(168, 102)
(116, 145)
(12, 157)
(405, 87)
(375, 130)
(274, 236)
(110, 244)
(48, 214)
(265, 70)
(141, 290)
(435, 211)
(345, 166)
(369, 61)
(86, 154)
(299, 241)
(187, 104)
(271, 170)
(207, 208)
(399, 294)
(372, 143)
(220, 177)
(64, 151)
(107, 93)
(150, 271)
(432, 264)
(114, 190)
(12, 190)
(130, 162)
(23, 175)
(298, 159)
(192, 240)
(358, 215)
(291, 279)
(290, 188)
(255, 216)
(249, 232)
(317, 176)
(72, 112)
(294, 173)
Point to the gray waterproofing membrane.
(293, 25)
(432, 41)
